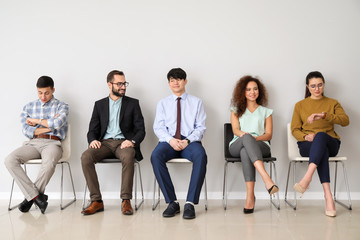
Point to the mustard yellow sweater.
(335, 114)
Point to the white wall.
(215, 42)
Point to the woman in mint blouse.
(252, 127)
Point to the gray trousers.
(50, 151)
(109, 149)
(249, 150)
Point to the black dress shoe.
(41, 202)
(45, 196)
(172, 209)
(25, 205)
(189, 211)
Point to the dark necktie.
(178, 120)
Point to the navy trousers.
(194, 152)
(319, 150)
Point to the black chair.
(228, 136)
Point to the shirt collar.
(183, 96)
(115, 102)
(48, 102)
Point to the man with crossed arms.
(44, 122)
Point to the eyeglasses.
(121, 84)
(172, 80)
(314, 86)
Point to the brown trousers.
(109, 149)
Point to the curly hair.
(239, 100)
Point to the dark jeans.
(319, 150)
(194, 152)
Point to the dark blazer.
(131, 122)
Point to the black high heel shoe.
(273, 189)
(250, 210)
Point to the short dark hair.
(176, 73)
(111, 75)
(44, 82)
(315, 74)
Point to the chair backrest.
(293, 150)
(228, 136)
(66, 145)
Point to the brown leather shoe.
(126, 208)
(94, 207)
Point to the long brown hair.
(239, 100)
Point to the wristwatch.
(133, 141)
(324, 115)
(188, 141)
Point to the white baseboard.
(182, 195)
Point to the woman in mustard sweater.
(313, 126)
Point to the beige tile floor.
(308, 222)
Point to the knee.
(10, 162)
(320, 135)
(127, 156)
(86, 158)
(155, 155)
(201, 158)
(248, 138)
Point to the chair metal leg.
(10, 208)
(137, 205)
(83, 205)
(11, 193)
(62, 207)
(225, 185)
(277, 205)
(155, 202)
(349, 206)
(293, 205)
(206, 199)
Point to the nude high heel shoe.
(300, 189)
(330, 213)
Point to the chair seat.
(294, 157)
(137, 171)
(66, 146)
(228, 136)
(110, 160)
(331, 159)
(174, 160)
(179, 160)
(39, 161)
(233, 159)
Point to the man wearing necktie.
(180, 125)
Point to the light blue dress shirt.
(193, 118)
(113, 129)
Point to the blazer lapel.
(123, 108)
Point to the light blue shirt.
(253, 123)
(113, 129)
(193, 118)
